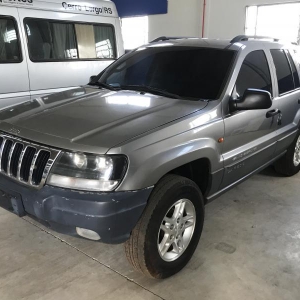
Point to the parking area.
(250, 249)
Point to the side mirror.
(93, 79)
(252, 99)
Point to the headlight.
(88, 172)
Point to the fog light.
(88, 234)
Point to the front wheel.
(289, 164)
(167, 234)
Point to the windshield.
(181, 72)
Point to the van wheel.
(289, 164)
(166, 236)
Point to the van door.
(250, 137)
(14, 82)
(65, 49)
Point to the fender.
(149, 163)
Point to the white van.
(49, 46)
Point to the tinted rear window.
(295, 72)
(188, 72)
(283, 71)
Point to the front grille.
(24, 161)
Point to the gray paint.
(159, 134)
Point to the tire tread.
(135, 246)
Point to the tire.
(286, 165)
(142, 249)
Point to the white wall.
(226, 18)
(184, 18)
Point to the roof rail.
(166, 38)
(241, 38)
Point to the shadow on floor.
(270, 171)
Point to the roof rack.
(242, 38)
(166, 38)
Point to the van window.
(95, 41)
(254, 74)
(50, 40)
(283, 71)
(9, 41)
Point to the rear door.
(287, 98)
(250, 137)
(14, 82)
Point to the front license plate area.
(12, 202)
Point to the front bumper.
(112, 215)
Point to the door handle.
(298, 101)
(273, 113)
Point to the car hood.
(92, 120)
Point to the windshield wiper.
(106, 86)
(149, 89)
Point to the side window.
(254, 73)
(294, 70)
(50, 40)
(105, 41)
(283, 71)
(9, 41)
(95, 41)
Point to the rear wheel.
(289, 164)
(169, 230)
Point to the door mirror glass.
(251, 100)
(93, 79)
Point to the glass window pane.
(283, 71)
(254, 74)
(86, 41)
(49, 40)
(135, 32)
(295, 72)
(9, 44)
(251, 19)
(105, 42)
(187, 72)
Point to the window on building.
(283, 71)
(50, 40)
(277, 20)
(135, 32)
(254, 74)
(9, 43)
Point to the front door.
(250, 137)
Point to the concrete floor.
(250, 249)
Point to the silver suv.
(134, 156)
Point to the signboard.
(131, 8)
(98, 8)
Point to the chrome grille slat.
(1, 151)
(20, 160)
(32, 166)
(27, 163)
(5, 155)
(9, 158)
(20, 163)
(15, 159)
